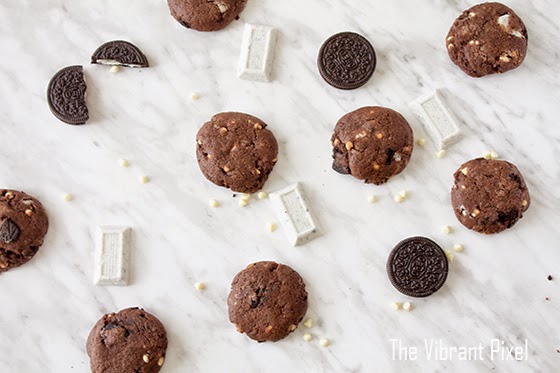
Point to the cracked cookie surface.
(489, 196)
(236, 151)
(131, 340)
(372, 144)
(486, 39)
(206, 15)
(267, 301)
(23, 226)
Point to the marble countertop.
(496, 288)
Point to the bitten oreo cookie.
(121, 53)
(66, 95)
(23, 226)
(236, 151)
(417, 267)
(372, 144)
(489, 196)
(267, 301)
(206, 15)
(346, 60)
(131, 340)
(486, 39)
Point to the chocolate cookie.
(346, 60)
(372, 144)
(206, 15)
(489, 196)
(23, 226)
(267, 301)
(66, 95)
(236, 151)
(486, 39)
(121, 53)
(417, 267)
(131, 340)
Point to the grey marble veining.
(496, 288)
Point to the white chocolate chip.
(421, 142)
(195, 96)
(372, 199)
(524, 203)
(114, 69)
(245, 196)
(349, 145)
(324, 342)
(458, 248)
(472, 14)
(407, 306)
(28, 212)
(403, 193)
(449, 256)
(160, 361)
(307, 337)
(199, 286)
(475, 213)
(144, 179)
(399, 198)
(271, 227)
(262, 195)
(465, 171)
(446, 229)
(396, 305)
(146, 358)
(67, 197)
(243, 202)
(494, 155)
(214, 203)
(123, 162)
(308, 323)
(441, 154)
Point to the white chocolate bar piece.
(436, 118)
(293, 213)
(112, 256)
(257, 53)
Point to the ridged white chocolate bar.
(257, 53)
(297, 220)
(436, 118)
(112, 256)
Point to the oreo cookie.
(66, 95)
(417, 267)
(120, 53)
(346, 60)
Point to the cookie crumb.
(396, 305)
(550, 278)
(123, 162)
(407, 306)
(308, 323)
(546, 298)
(307, 337)
(372, 199)
(441, 154)
(262, 195)
(144, 179)
(271, 227)
(199, 286)
(114, 69)
(421, 142)
(214, 203)
(446, 229)
(195, 96)
(458, 248)
(324, 342)
(67, 197)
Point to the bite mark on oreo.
(119, 53)
(66, 95)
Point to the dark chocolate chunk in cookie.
(346, 60)
(131, 340)
(417, 267)
(486, 39)
(236, 151)
(489, 196)
(267, 301)
(23, 225)
(66, 95)
(121, 53)
(206, 15)
(372, 144)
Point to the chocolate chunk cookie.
(267, 301)
(131, 340)
(206, 15)
(346, 60)
(23, 226)
(66, 95)
(372, 144)
(489, 196)
(417, 267)
(486, 39)
(236, 151)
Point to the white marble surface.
(496, 288)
